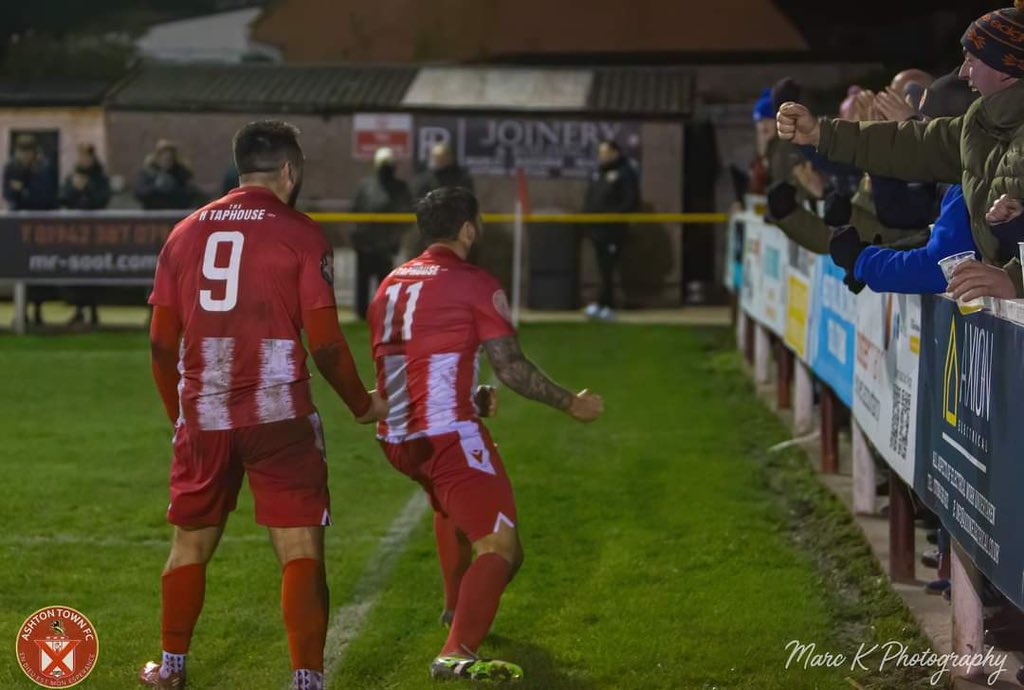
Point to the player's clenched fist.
(796, 123)
(378, 411)
(486, 398)
(586, 406)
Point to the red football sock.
(183, 590)
(304, 603)
(455, 553)
(478, 604)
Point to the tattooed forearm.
(521, 375)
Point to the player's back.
(427, 322)
(239, 272)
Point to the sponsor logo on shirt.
(233, 212)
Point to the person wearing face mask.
(376, 244)
(983, 149)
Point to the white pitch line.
(115, 542)
(349, 619)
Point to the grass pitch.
(660, 544)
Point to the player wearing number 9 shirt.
(428, 321)
(236, 284)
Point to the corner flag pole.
(517, 263)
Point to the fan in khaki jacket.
(983, 149)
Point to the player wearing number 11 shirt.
(428, 321)
(236, 284)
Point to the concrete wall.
(651, 261)
(76, 126)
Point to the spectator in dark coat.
(29, 180)
(87, 188)
(30, 184)
(444, 172)
(165, 181)
(613, 189)
(376, 244)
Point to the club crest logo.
(57, 647)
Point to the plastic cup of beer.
(948, 265)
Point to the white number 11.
(394, 293)
(228, 274)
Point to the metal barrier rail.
(331, 217)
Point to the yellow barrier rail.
(590, 218)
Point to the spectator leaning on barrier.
(847, 198)
(983, 149)
(613, 189)
(165, 181)
(764, 132)
(29, 180)
(376, 244)
(87, 187)
(443, 172)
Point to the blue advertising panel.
(834, 333)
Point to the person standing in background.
(613, 189)
(443, 172)
(87, 188)
(29, 180)
(165, 181)
(376, 244)
(30, 184)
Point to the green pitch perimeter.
(662, 548)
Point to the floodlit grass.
(663, 550)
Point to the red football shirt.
(427, 322)
(239, 272)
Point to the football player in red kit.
(428, 321)
(236, 284)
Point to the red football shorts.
(287, 468)
(464, 476)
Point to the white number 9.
(228, 274)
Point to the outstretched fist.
(586, 406)
(796, 123)
(486, 398)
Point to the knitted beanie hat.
(997, 39)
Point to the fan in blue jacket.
(915, 271)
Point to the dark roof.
(261, 88)
(642, 91)
(52, 92)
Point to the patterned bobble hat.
(997, 39)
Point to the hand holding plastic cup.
(948, 265)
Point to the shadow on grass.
(541, 670)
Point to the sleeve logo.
(327, 267)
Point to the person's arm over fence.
(906, 150)
(903, 205)
(917, 270)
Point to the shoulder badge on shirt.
(327, 267)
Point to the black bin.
(553, 261)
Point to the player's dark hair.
(265, 146)
(442, 213)
(612, 144)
